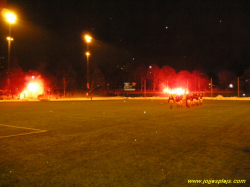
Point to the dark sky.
(213, 35)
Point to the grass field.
(123, 143)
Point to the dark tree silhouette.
(226, 78)
(168, 76)
(183, 79)
(65, 75)
(153, 76)
(139, 74)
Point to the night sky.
(186, 35)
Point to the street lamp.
(87, 54)
(9, 39)
(11, 19)
(88, 40)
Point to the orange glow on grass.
(178, 91)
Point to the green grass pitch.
(123, 143)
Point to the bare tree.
(153, 75)
(17, 82)
(140, 74)
(246, 78)
(168, 76)
(183, 79)
(65, 76)
(226, 78)
(199, 81)
(97, 78)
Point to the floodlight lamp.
(9, 38)
(88, 38)
(10, 17)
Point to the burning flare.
(33, 88)
(178, 91)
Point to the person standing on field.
(200, 98)
(177, 100)
(171, 101)
(181, 96)
(188, 100)
(192, 99)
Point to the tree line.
(65, 79)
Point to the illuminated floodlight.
(9, 38)
(87, 53)
(231, 85)
(10, 17)
(88, 38)
(32, 77)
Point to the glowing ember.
(178, 91)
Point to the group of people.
(191, 100)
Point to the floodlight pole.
(9, 48)
(9, 38)
(88, 67)
(88, 40)
(10, 18)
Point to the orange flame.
(34, 88)
(178, 91)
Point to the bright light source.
(178, 91)
(33, 87)
(10, 17)
(244, 94)
(150, 67)
(88, 38)
(9, 38)
(231, 85)
(23, 94)
(87, 53)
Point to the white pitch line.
(36, 131)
